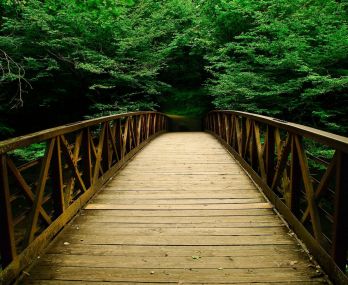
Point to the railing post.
(154, 123)
(340, 234)
(227, 129)
(57, 177)
(243, 130)
(295, 179)
(148, 121)
(139, 120)
(216, 126)
(7, 240)
(270, 156)
(86, 153)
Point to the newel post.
(7, 240)
(270, 155)
(340, 234)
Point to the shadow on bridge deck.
(181, 212)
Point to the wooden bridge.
(233, 205)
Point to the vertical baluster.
(7, 239)
(57, 177)
(270, 155)
(138, 132)
(148, 118)
(293, 198)
(340, 234)
(86, 153)
(233, 133)
(106, 163)
(243, 136)
(226, 129)
(154, 124)
(219, 131)
(99, 155)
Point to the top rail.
(330, 139)
(41, 192)
(22, 141)
(304, 173)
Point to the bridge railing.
(46, 177)
(303, 172)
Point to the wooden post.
(87, 158)
(340, 234)
(270, 157)
(154, 124)
(7, 240)
(148, 120)
(243, 131)
(295, 180)
(57, 176)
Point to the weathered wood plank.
(159, 231)
(174, 275)
(74, 282)
(287, 250)
(179, 213)
(177, 207)
(174, 201)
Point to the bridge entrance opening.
(179, 123)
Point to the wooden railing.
(40, 194)
(309, 190)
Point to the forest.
(66, 60)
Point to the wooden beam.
(7, 239)
(270, 154)
(293, 200)
(323, 185)
(34, 216)
(313, 209)
(26, 188)
(57, 175)
(340, 229)
(258, 147)
(281, 164)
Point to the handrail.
(38, 197)
(22, 141)
(312, 196)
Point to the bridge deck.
(181, 212)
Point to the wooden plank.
(196, 201)
(85, 282)
(179, 213)
(249, 220)
(193, 186)
(287, 250)
(86, 229)
(175, 275)
(171, 194)
(163, 262)
(93, 206)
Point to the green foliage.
(30, 153)
(288, 60)
(63, 60)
